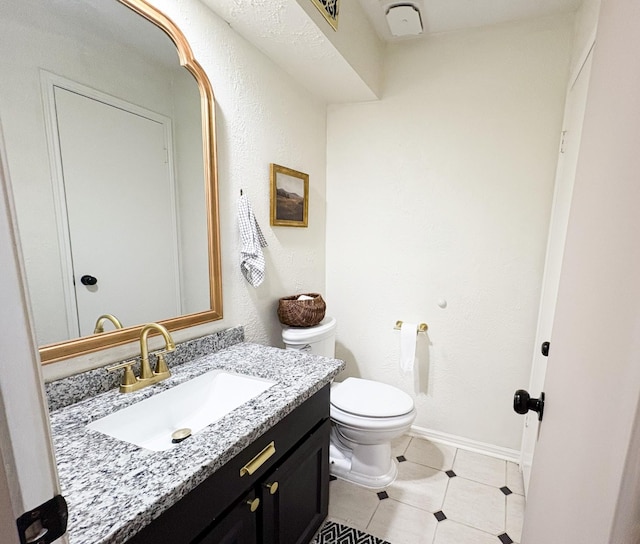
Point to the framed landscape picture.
(329, 9)
(289, 197)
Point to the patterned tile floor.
(443, 495)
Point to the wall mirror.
(109, 128)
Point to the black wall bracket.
(44, 524)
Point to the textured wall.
(342, 66)
(262, 117)
(443, 190)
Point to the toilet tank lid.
(370, 399)
(304, 335)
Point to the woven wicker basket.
(301, 313)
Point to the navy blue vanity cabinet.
(282, 499)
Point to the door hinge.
(44, 524)
(563, 139)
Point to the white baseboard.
(466, 444)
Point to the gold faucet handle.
(162, 352)
(124, 364)
(128, 377)
(161, 364)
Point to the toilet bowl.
(366, 415)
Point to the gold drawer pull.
(258, 460)
(253, 504)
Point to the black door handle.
(522, 403)
(88, 280)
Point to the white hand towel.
(251, 258)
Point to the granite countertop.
(114, 488)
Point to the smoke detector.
(404, 20)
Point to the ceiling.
(293, 34)
(448, 15)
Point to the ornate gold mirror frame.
(64, 350)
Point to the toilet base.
(368, 465)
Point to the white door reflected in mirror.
(116, 159)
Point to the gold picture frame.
(330, 10)
(289, 197)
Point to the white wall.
(262, 117)
(443, 190)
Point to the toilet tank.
(319, 340)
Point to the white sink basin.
(193, 404)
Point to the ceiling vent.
(404, 20)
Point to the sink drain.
(180, 435)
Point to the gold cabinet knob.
(253, 504)
(272, 487)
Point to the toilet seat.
(369, 400)
(355, 421)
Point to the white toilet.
(366, 415)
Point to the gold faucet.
(147, 377)
(99, 328)
(161, 365)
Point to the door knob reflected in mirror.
(88, 280)
(522, 403)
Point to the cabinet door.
(239, 526)
(294, 511)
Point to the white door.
(565, 176)
(584, 482)
(120, 209)
(28, 476)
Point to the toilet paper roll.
(408, 335)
